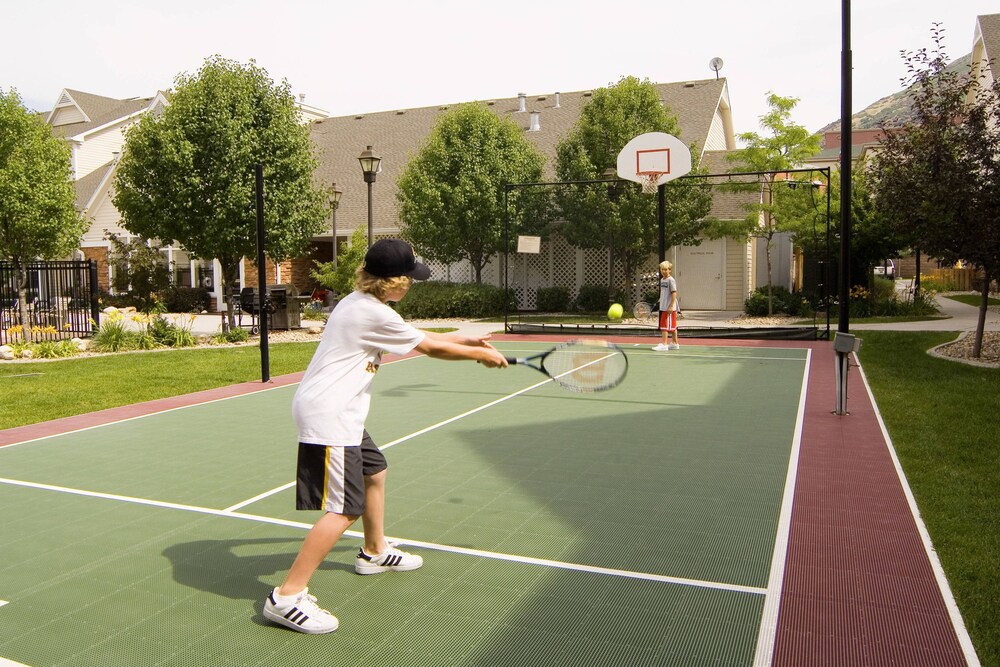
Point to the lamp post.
(369, 167)
(334, 203)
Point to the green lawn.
(941, 416)
(973, 299)
(39, 391)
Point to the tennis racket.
(583, 366)
(642, 310)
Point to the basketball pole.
(661, 193)
(262, 303)
(843, 324)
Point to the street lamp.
(334, 203)
(369, 167)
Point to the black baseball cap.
(388, 258)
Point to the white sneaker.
(660, 348)
(299, 612)
(390, 559)
(674, 346)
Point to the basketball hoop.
(650, 181)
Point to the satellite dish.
(715, 64)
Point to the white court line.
(4, 662)
(772, 600)
(526, 560)
(259, 496)
(3, 602)
(957, 622)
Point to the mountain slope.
(895, 108)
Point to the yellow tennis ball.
(615, 311)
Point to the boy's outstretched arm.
(455, 347)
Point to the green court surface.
(634, 527)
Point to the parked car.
(886, 268)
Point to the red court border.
(859, 586)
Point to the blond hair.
(376, 286)
(666, 265)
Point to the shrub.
(552, 299)
(592, 298)
(113, 335)
(234, 335)
(172, 334)
(433, 299)
(783, 302)
(185, 299)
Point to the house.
(703, 112)
(95, 126)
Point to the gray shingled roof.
(86, 186)
(726, 205)
(398, 135)
(989, 26)
(100, 110)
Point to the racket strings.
(586, 368)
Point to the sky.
(362, 57)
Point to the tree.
(38, 218)
(140, 269)
(340, 277)
(451, 195)
(624, 221)
(801, 207)
(187, 175)
(936, 177)
(784, 146)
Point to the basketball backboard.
(654, 158)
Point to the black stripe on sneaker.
(296, 616)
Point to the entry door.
(700, 273)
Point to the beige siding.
(98, 150)
(105, 217)
(716, 139)
(67, 115)
(738, 265)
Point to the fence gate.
(61, 300)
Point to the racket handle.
(513, 360)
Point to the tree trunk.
(22, 301)
(984, 302)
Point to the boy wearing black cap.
(340, 469)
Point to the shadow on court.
(217, 567)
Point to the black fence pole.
(95, 306)
(263, 301)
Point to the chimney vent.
(535, 125)
(522, 102)
(557, 100)
(302, 98)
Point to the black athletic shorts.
(332, 479)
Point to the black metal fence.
(61, 301)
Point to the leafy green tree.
(188, 175)
(623, 220)
(801, 207)
(785, 145)
(340, 278)
(938, 177)
(38, 218)
(140, 269)
(451, 195)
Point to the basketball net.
(649, 181)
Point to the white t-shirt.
(331, 403)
